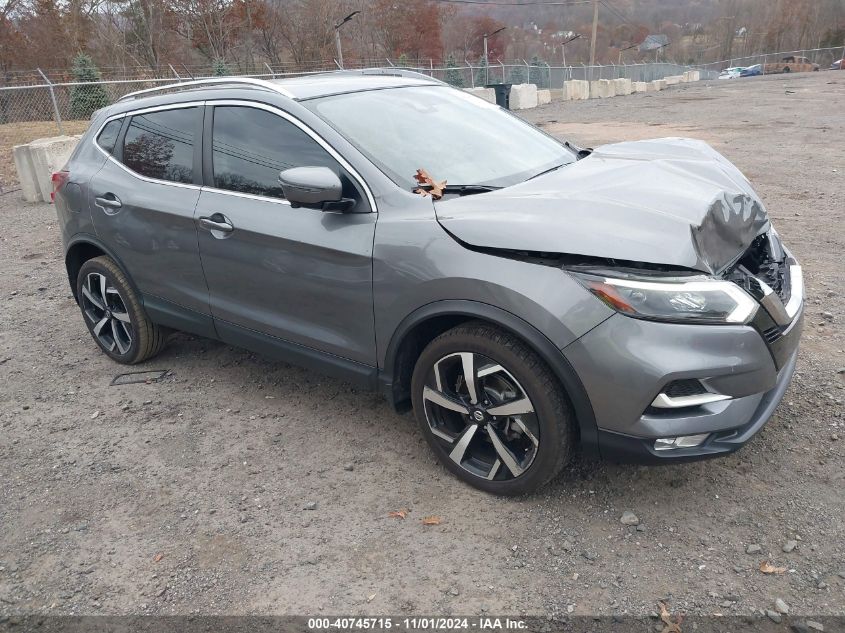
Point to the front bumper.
(625, 448)
(624, 363)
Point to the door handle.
(108, 201)
(217, 222)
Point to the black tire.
(551, 415)
(126, 335)
(787, 69)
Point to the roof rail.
(395, 72)
(197, 83)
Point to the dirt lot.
(189, 495)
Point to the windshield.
(452, 135)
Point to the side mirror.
(316, 187)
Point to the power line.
(616, 12)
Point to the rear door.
(143, 201)
(301, 276)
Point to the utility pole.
(486, 59)
(595, 30)
(337, 37)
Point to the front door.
(299, 276)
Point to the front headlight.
(696, 300)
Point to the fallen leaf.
(432, 520)
(672, 626)
(370, 597)
(771, 569)
(158, 557)
(436, 188)
(398, 514)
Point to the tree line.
(135, 37)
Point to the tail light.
(58, 179)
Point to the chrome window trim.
(305, 128)
(122, 115)
(249, 196)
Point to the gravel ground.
(192, 495)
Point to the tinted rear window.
(161, 144)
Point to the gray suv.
(525, 296)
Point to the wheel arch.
(80, 250)
(426, 323)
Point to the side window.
(161, 144)
(251, 146)
(108, 135)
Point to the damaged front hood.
(670, 201)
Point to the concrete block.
(673, 80)
(602, 89)
(523, 96)
(488, 94)
(693, 75)
(639, 86)
(26, 173)
(576, 89)
(623, 86)
(659, 84)
(554, 94)
(544, 97)
(49, 155)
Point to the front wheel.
(492, 410)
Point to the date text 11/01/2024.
(416, 624)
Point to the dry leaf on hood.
(771, 569)
(398, 514)
(672, 626)
(432, 520)
(436, 188)
(158, 557)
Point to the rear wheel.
(787, 69)
(492, 410)
(114, 315)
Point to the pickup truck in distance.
(791, 64)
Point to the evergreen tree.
(538, 73)
(219, 68)
(481, 73)
(454, 76)
(403, 61)
(516, 75)
(84, 100)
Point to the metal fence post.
(55, 103)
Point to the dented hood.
(668, 201)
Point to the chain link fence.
(61, 102)
(824, 57)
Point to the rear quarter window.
(108, 135)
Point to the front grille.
(686, 387)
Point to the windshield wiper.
(547, 171)
(467, 190)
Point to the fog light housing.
(684, 441)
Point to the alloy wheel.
(105, 309)
(483, 417)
